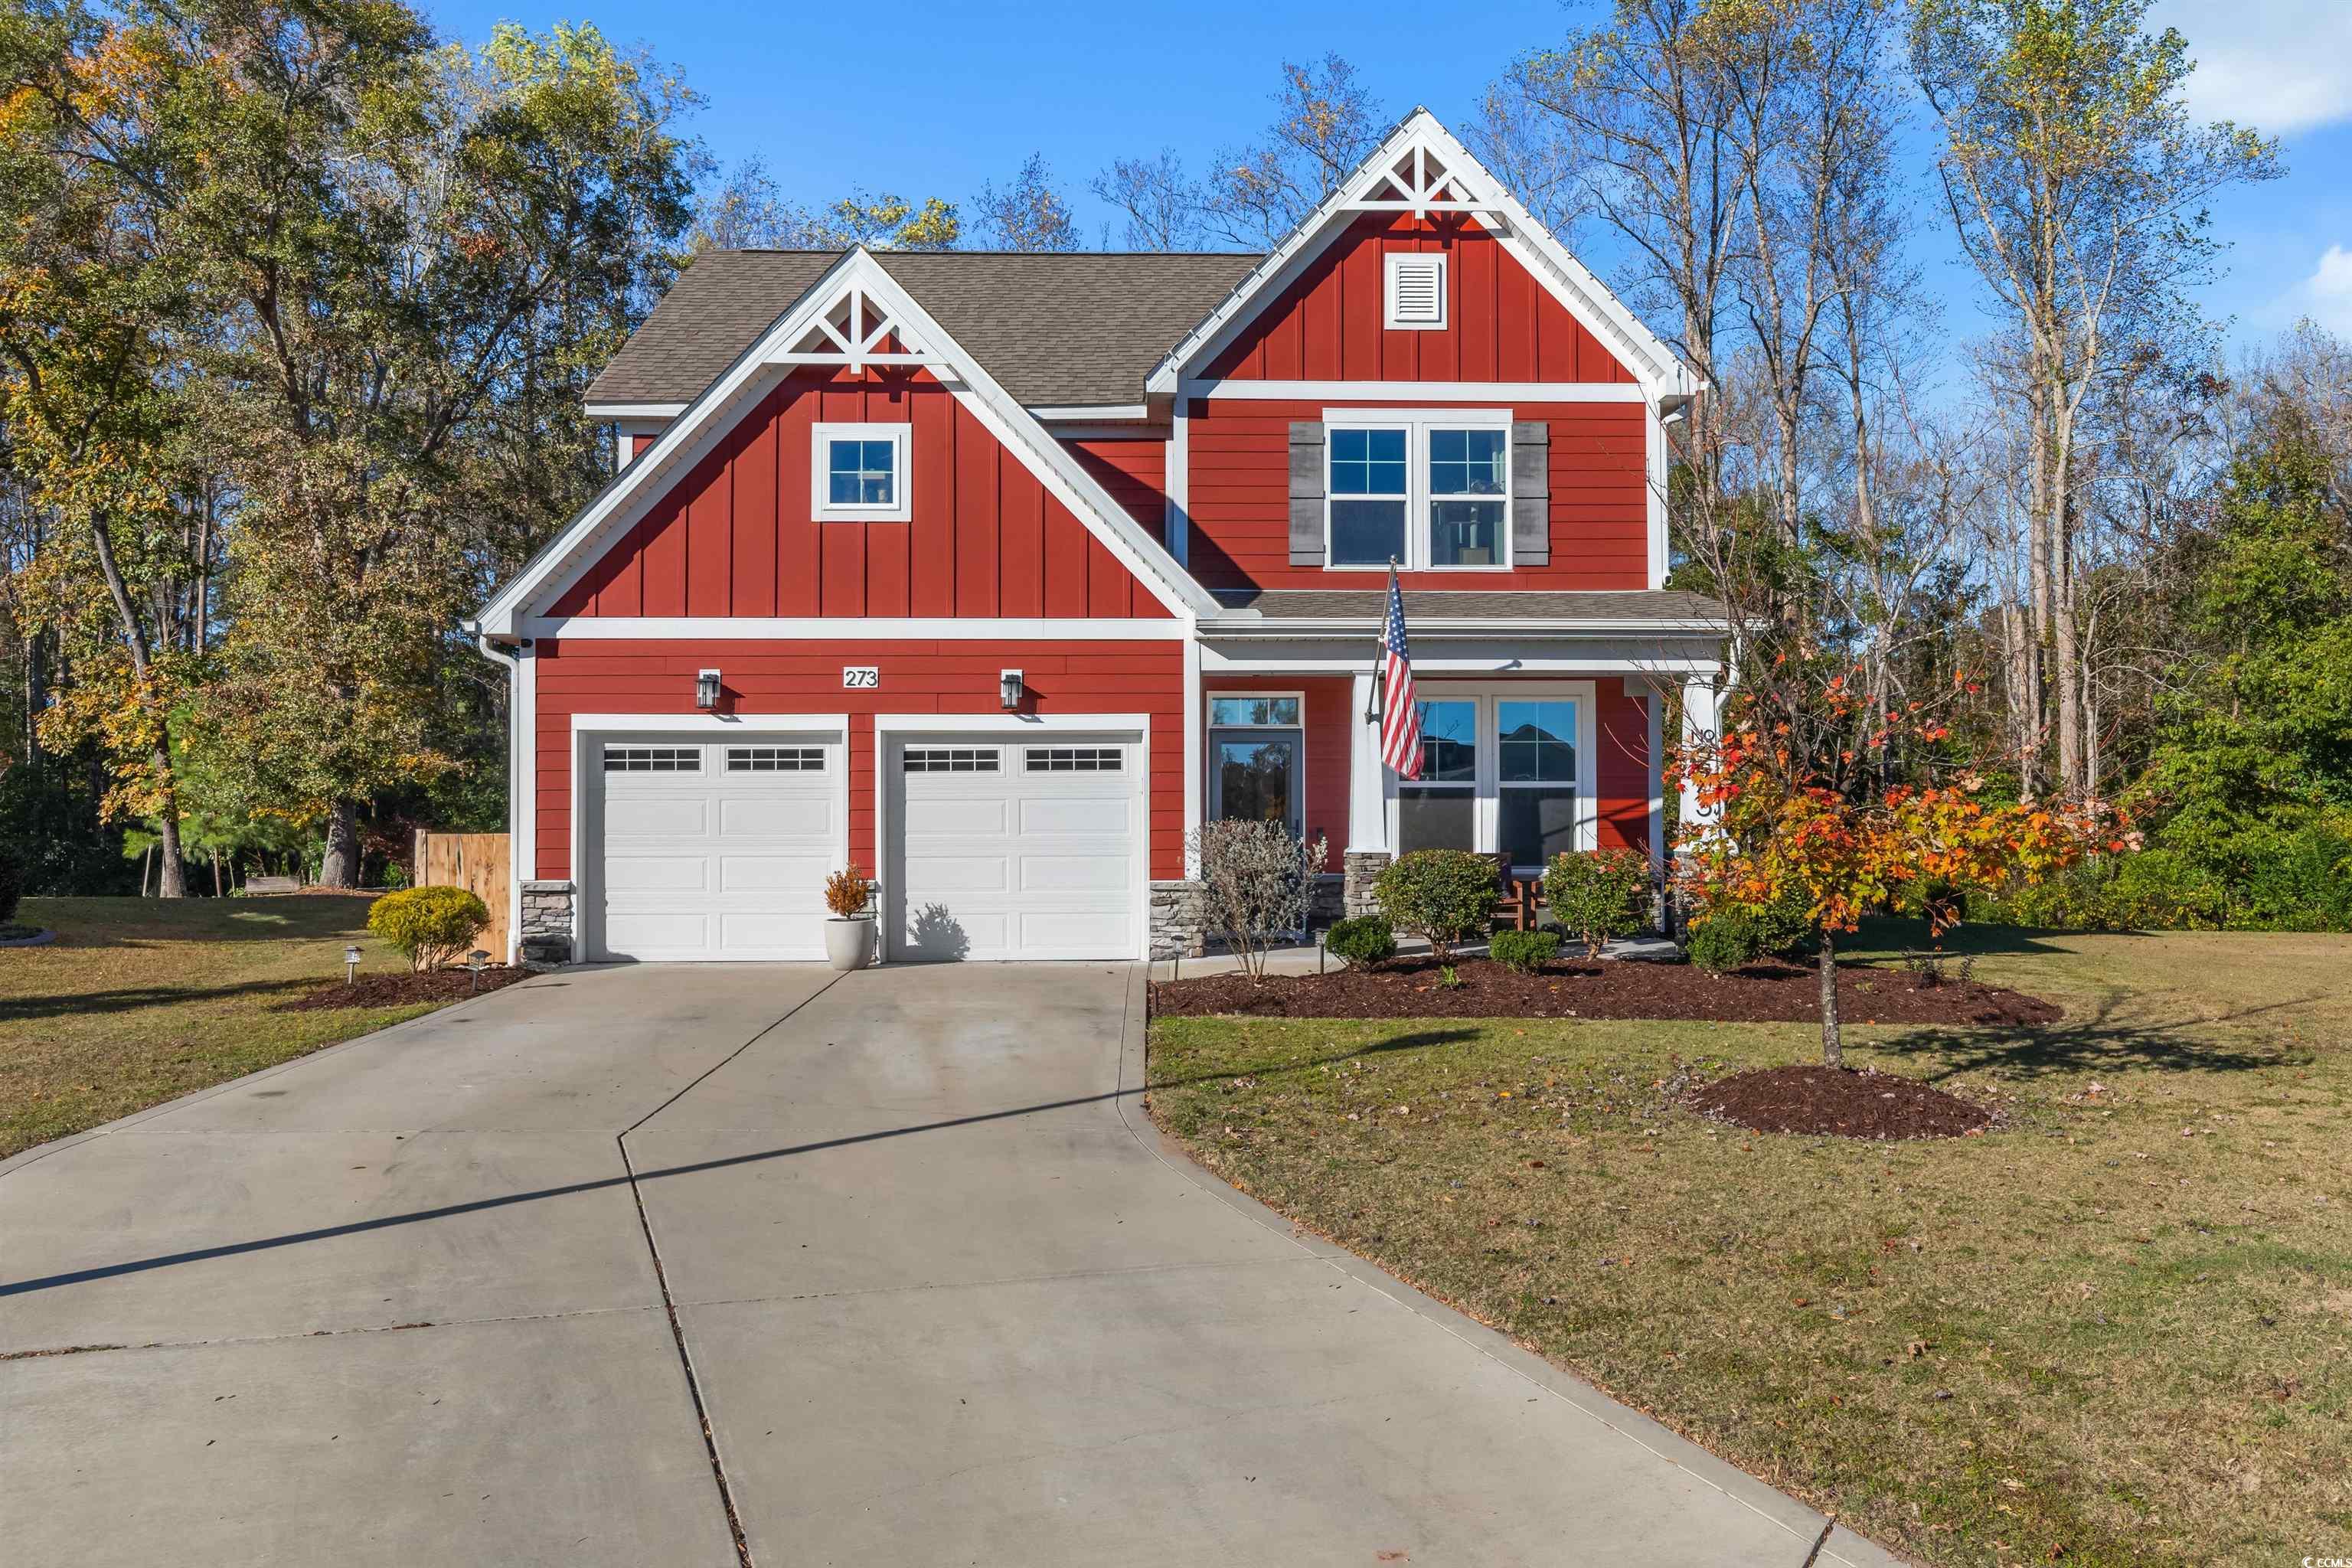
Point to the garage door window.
(951, 760)
(775, 759)
(653, 758)
(1073, 759)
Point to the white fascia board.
(1430, 627)
(1108, 412)
(712, 724)
(1425, 391)
(635, 410)
(1500, 658)
(771, 629)
(699, 430)
(1661, 374)
(1009, 723)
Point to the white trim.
(1418, 135)
(1196, 752)
(1177, 482)
(1419, 519)
(1487, 786)
(1499, 657)
(1424, 391)
(1050, 415)
(1208, 695)
(705, 728)
(1368, 821)
(1012, 726)
(1653, 704)
(823, 508)
(962, 628)
(1392, 270)
(1655, 481)
(625, 432)
(598, 411)
(856, 277)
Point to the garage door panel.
(757, 933)
(1077, 933)
(787, 874)
(801, 814)
(955, 816)
(1080, 815)
(655, 817)
(636, 871)
(1106, 871)
(649, 934)
(961, 874)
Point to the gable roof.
(1397, 178)
(884, 326)
(1075, 330)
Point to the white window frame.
(1417, 423)
(1392, 266)
(1487, 809)
(821, 505)
(1209, 729)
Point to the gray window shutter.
(1305, 493)
(1530, 493)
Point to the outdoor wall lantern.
(351, 964)
(473, 962)
(706, 688)
(1008, 691)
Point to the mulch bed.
(1608, 988)
(400, 990)
(1837, 1102)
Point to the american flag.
(1400, 715)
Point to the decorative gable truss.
(854, 317)
(1421, 169)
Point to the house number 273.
(860, 676)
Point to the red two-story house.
(994, 573)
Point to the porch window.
(1537, 781)
(1439, 809)
(1255, 772)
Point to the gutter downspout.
(516, 784)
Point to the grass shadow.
(131, 998)
(2103, 1042)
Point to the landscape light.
(473, 962)
(351, 964)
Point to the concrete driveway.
(473, 1290)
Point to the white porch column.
(1368, 813)
(1701, 719)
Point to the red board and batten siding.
(1133, 470)
(1621, 770)
(734, 536)
(1501, 323)
(1239, 456)
(784, 679)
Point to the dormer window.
(1429, 489)
(1416, 291)
(858, 473)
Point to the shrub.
(2156, 889)
(431, 925)
(1256, 880)
(1599, 895)
(1366, 939)
(1524, 951)
(1726, 937)
(847, 891)
(1444, 895)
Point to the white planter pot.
(849, 943)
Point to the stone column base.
(546, 934)
(1359, 868)
(1179, 921)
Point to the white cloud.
(2327, 295)
(2276, 65)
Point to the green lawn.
(139, 1000)
(2116, 1330)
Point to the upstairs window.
(1416, 292)
(859, 473)
(1431, 490)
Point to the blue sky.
(937, 100)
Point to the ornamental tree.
(1774, 823)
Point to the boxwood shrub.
(1445, 895)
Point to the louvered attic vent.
(1416, 290)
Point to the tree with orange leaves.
(1779, 820)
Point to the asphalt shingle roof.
(1639, 607)
(1055, 329)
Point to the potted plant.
(849, 934)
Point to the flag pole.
(1380, 646)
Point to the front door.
(1253, 760)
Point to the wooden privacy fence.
(477, 862)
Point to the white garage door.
(1015, 848)
(712, 849)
